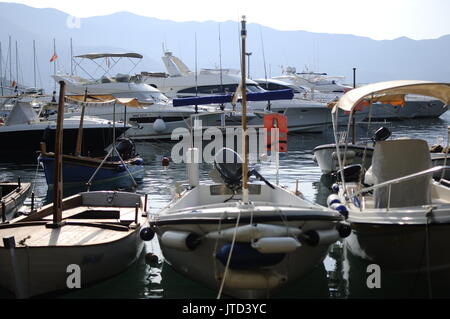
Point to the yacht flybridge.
(120, 85)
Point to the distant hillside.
(335, 54)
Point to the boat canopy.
(287, 94)
(392, 91)
(103, 99)
(93, 56)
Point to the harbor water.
(341, 275)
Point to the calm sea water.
(341, 275)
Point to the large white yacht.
(157, 117)
(180, 82)
(324, 88)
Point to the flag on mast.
(54, 57)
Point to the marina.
(207, 184)
(341, 275)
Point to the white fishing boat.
(73, 242)
(12, 197)
(402, 220)
(240, 238)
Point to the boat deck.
(85, 225)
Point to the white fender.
(179, 240)
(248, 233)
(273, 245)
(159, 125)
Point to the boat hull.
(50, 265)
(15, 198)
(23, 145)
(325, 157)
(77, 173)
(401, 248)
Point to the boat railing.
(398, 180)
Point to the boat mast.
(80, 128)
(54, 61)
(17, 65)
(34, 62)
(10, 62)
(244, 116)
(71, 57)
(58, 183)
(1, 69)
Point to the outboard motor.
(351, 173)
(229, 165)
(382, 134)
(126, 148)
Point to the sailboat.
(240, 238)
(72, 242)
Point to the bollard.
(145, 204)
(32, 201)
(136, 213)
(3, 212)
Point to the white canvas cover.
(397, 158)
(22, 113)
(382, 91)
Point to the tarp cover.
(21, 113)
(94, 56)
(218, 99)
(385, 91)
(103, 99)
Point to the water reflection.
(341, 275)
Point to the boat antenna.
(245, 197)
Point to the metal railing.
(400, 180)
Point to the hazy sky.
(377, 19)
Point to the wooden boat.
(120, 168)
(112, 171)
(74, 242)
(12, 197)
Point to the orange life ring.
(274, 121)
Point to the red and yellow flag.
(54, 57)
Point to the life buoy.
(274, 121)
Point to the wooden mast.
(58, 184)
(245, 196)
(80, 129)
